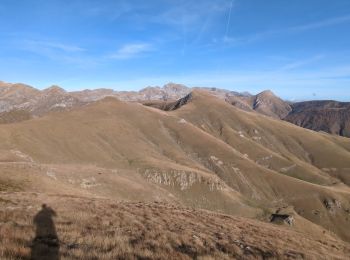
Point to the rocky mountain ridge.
(328, 116)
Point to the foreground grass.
(104, 229)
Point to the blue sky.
(299, 49)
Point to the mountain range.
(21, 102)
(163, 162)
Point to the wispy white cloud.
(113, 10)
(293, 29)
(58, 51)
(320, 24)
(229, 19)
(191, 20)
(301, 63)
(191, 14)
(132, 50)
(53, 45)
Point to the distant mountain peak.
(267, 93)
(54, 88)
(175, 86)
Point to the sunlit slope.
(283, 150)
(106, 229)
(123, 137)
(206, 154)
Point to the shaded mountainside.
(169, 105)
(206, 154)
(327, 116)
(14, 116)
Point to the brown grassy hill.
(123, 136)
(272, 146)
(266, 102)
(94, 228)
(205, 154)
(14, 116)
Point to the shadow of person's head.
(46, 244)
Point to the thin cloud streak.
(59, 52)
(294, 29)
(191, 13)
(131, 51)
(320, 24)
(301, 63)
(54, 45)
(229, 19)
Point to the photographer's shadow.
(46, 244)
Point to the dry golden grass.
(14, 116)
(106, 229)
(212, 157)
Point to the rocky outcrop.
(182, 179)
(20, 99)
(282, 218)
(332, 205)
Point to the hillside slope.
(207, 154)
(95, 228)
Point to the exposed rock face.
(282, 218)
(170, 106)
(332, 205)
(53, 99)
(328, 116)
(185, 180)
(14, 96)
(20, 97)
(173, 91)
(170, 91)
